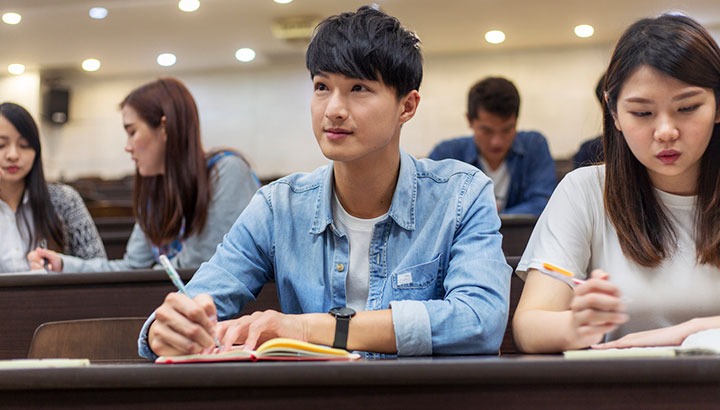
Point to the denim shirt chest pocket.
(418, 282)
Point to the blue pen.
(175, 278)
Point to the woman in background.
(184, 199)
(644, 226)
(34, 213)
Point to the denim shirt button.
(340, 267)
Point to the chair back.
(103, 339)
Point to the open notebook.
(278, 349)
(705, 342)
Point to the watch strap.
(341, 332)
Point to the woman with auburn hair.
(34, 213)
(184, 199)
(642, 230)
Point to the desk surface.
(544, 382)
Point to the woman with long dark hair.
(184, 199)
(34, 213)
(643, 228)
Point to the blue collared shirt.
(532, 169)
(436, 260)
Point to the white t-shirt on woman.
(575, 233)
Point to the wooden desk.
(29, 300)
(416, 383)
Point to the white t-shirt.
(359, 233)
(501, 181)
(575, 233)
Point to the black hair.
(495, 95)
(367, 44)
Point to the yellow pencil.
(553, 268)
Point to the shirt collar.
(402, 207)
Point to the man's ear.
(410, 104)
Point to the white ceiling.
(58, 34)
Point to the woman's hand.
(252, 330)
(666, 336)
(39, 256)
(596, 308)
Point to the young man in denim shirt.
(412, 246)
(518, 162)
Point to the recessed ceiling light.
(584, 30)
(91, 64)
(245, 55)
(16, 69)
(189, 5)
(494, 36)
(98, 13)
(166, 59)
(11, 18)
(283, 1)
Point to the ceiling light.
(494, 36)
(245, 55)
(584, 30)
(283, 1)
(11, 18)
(166, 59)
(189, 5)
(91, 64)
(98, 13)
(16, 69)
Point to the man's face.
(358, 120)
(493, 135)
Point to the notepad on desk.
(278, 349)
(42, 363)
(705, 342)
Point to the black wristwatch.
(342, 322)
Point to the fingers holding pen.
(183, 325)
(41, 258)
(597, 306)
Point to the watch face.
(342, 312)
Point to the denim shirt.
(532, 169)
(436, 260)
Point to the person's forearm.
(370, 331)
(701, 323)
(538, 331)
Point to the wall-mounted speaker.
(57, 105)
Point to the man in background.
(518, 162)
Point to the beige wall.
(265, 111)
